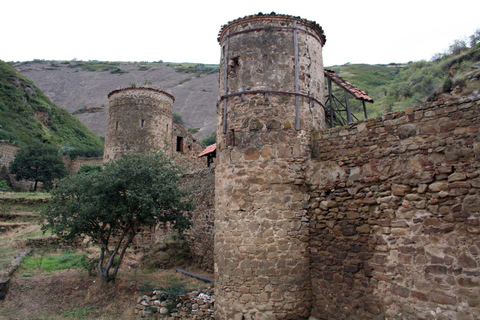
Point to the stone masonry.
(139, 120)
(185, 149)
(395, 208)
(375, 220)
(261, 222)
(379, 219)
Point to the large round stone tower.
(270, 108)
(139, 120)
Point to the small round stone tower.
(139, 120)
(270, 108)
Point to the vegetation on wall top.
(398, 86)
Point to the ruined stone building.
(140, 120)
(377, 219)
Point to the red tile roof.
(210, 149)
(354, 91)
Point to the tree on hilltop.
(110, 206)
(38, 162)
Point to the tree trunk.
(105, 270)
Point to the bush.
(86, 152)
(118, 70)
(447, 85)
(174, 252)
(211, 139)
(90, 264)
(177, 118)
(4, 186)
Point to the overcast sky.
(367, 31)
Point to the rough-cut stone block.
(436, 269)
(251, 154)
(419, 295)
(372, 307)
(440, 297)
(438, 186)
(466, 261)
(348, 230)
(400, 189)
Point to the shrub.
(447, 85)
(211, 139)
(177, 118)
(4, 186)
(118, 70)
(86, 169)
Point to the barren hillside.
(74, 87)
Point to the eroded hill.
(82, 88)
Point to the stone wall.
(185, 150)
(139, 120)
(201, 186)
(74, 165)
(395, 208)
(7, 154)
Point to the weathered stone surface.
(438, 186)
(440, 297)
(139, 119)
(400, 190)
(262, 270)
(466, 261)
(422, 248)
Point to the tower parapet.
(270, 107)
(139, 120)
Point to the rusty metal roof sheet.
(210, 149)
(353, 90)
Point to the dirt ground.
(72, 294)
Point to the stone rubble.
(193, 305)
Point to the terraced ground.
(40, 290)
(18, 221)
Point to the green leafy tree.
(211, 139)
(475, 38)
(39, 163)
(89, 168)
(178, 118)
(110, 206)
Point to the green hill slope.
(27, 116)
(398, 86)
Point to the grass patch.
(48, 263)
(78, 312)
(24, 195)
